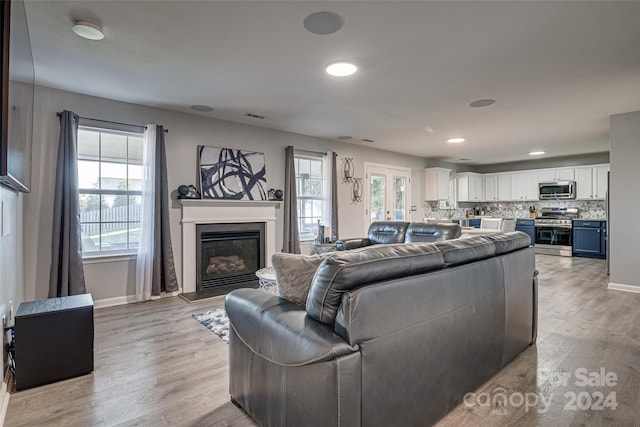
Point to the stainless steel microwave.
(557, 190)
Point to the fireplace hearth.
(228, 254)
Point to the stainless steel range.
(554, 231)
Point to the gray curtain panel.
(164, 272)
(291, 239)
(66, 274)
(334, 197)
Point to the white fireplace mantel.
(198, 211)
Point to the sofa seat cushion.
(280, 331)
(345, 271)
(294, 273)
(462, 251)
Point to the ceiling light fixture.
(482, 103)
(536, 153)
(455, 140)
(88, 30)
(341, 68)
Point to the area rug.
(216, 321)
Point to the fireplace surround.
(198, 212)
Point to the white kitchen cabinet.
(524, 186)
(504, 187)
(556, 174)
(497, 187)
(436, 184)
(591, 182)
(490, 187)
(470, 187)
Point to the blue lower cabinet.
(588, 239)
(475, 223)
(603, 236)
(527, 226)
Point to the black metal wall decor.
(356, 193)
(348, 169)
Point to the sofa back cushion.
(462, 251)
(431, 232)
(509, 241)
(385, 232)
(345, 271)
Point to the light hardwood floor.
(155, 365)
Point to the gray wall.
(624, 189)
(116, 279)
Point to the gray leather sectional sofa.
(386, 232)
(391, 334)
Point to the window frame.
(324, 211)
(129, 131)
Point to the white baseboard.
(129, 299)
(623, 288)
(4, 402)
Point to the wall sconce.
(356, 191)
(348, 169)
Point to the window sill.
(104, 257)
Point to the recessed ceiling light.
(341, 68)
(536, 153)
(455, 140)
(464, 159)
(323, 23)
(482, 103)
(367, 140)
(201, 108)
(88, 30)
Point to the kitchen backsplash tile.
(591, 209)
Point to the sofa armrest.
(280, 331)
(345, 244)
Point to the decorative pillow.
(294, 273)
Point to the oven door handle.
(552, 226)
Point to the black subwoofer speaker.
(53, 340)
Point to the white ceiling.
(557, 70)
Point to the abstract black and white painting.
(226, 173)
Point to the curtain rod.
(314, 153)
(59, 114)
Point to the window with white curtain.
(110, 183)
(311, 190)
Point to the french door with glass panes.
(387, 193)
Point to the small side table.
(267, 279)
(322, 248)
(54, 340)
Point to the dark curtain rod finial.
(59, 114)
